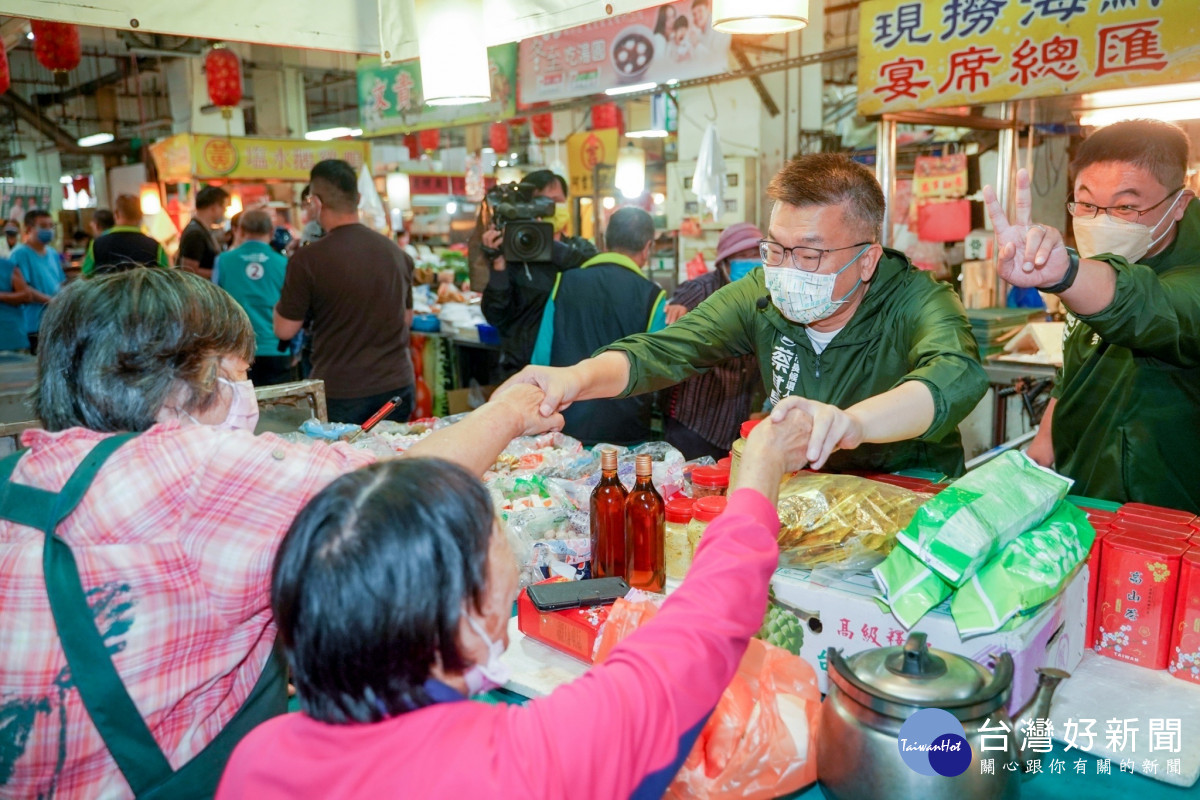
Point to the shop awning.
(186, 157)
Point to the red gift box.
(1142, 530)
(1156, 512)
(1185, 631)
(1136, 601)
(1093, 590)
(573, 631)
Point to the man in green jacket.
(879, 353)
(1125, 424)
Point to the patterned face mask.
(243, 408)
(807, 297)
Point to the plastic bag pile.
(760, 740)
(1000, 541)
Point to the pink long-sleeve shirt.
(622, 730)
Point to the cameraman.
(515, 297)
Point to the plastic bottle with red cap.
(709, 482)
(704, 511)
(679, 552)
(735, 453)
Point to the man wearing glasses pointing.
(1125, 421)
(876, 351)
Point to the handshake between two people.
(798, 431)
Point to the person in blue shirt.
(40, 266)
(253, 274)
(14, 293)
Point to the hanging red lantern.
(57, 48)
(498, 137)
(542, 125)
(410, 143)
(605, 115)
(429, 140)
(223, 72)
(5, 76)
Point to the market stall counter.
(997, 571)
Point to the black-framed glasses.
(808, 259)
(1127, 213)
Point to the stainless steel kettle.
(872, 694)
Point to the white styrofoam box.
(845, 616)
(1133, 698)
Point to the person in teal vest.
(606, 299)
(253, 273)
(1125, 421)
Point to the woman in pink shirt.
(393, 590)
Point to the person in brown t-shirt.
(356, 286)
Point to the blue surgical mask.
(45, 235)
(741, 267)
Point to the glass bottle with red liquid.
(645, 531)
(609, 554)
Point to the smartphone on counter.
(576, 594)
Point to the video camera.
(517, 213)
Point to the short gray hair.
(629, 230)
(115, 348)
(256, 222)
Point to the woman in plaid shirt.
(175, 537)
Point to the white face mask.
(243, 407)
(1130, 240)
(807, 297)
(493, 673)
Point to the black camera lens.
(528, 241)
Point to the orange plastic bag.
(760, 741)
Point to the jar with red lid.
(679, 552)
(735, 453)
(709, 482)
(704, 511)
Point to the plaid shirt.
(174, 542)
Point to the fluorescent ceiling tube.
(1142, 95)
(95, 139)
(1166, 112)
(647, 134)
(325, 134)
(631, 89)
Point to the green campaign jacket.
(1127, 423)
(908, 328)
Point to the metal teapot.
(873, 693)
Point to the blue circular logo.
(933, 742)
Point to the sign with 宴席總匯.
(924, 55)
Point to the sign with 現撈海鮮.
(923, 55)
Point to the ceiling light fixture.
(95, 139)
(759, 16)
(631, 89)
(453, 52)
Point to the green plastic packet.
(958, 530)
(910, 589)
(1031, 570)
